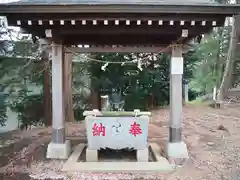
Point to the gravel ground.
(212, 137)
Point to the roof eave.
(228, 10)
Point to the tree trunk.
(227, 77)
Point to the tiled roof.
(146, 2)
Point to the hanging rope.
(122, 62)
(106, 63)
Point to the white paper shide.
(177, 65)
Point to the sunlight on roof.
(7, 1)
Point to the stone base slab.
(59, 151)
(177, 150)
(91, 155)
(143, 155)
(72, 164)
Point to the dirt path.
(212, 136)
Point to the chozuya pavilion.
(117, 26)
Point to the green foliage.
(3, 116)
(78, 113)
(139, 87)
(3, 109)
(212, 52)
(14, 80)
(27, 104)
(29, 108)
(80, 87)
(18, 69)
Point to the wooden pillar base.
(215, 104)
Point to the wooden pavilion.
(116, 26)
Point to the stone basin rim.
(116, 113)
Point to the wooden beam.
(108, 49)
(122, 30)
(119, 49)
(124, 40)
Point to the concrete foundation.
(59, 151)
(161, 165)
(142, 155)
(91, 155)
(177, 150)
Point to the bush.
(29, 108)
(78, 114)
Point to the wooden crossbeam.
(109, 49)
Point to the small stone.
(210, 143)
(212, 130)
(222, 128)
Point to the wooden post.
(44, 44)
(59, 147)
(67, 87)
(47, 93)
(95, 99)
(57, 95)
(237, 21)
(176, 94)
(176, 148)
